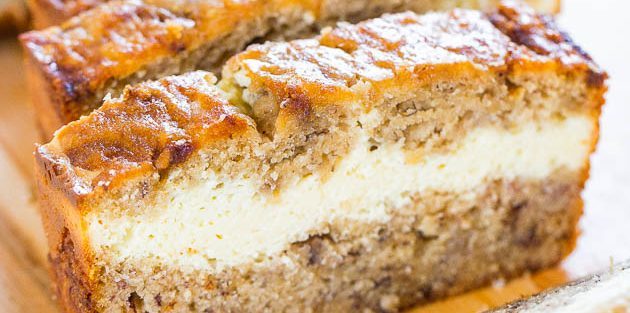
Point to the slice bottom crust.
(508, 227)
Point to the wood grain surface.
(601, 28)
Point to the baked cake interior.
(376, 166)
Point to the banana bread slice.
(377, 166)
(72, 67)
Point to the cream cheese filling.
(229, 222)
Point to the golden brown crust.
(156, 125)
(379, 51)
(541, 34)
(152, 127)
(69, 255)
(47, 13)
(41, 92)
(407, 50)
(121, 38)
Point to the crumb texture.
(241, 221)
(458, 243)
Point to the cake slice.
(608, 291)
(72, 67)
(377, 166)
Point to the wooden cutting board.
(601, 29)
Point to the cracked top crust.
(405, 51)
(395, 47)
(119, 38)
(88, 55)
(151, 127)
(401, 46)
(157, 125)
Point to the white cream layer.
(231, 222)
